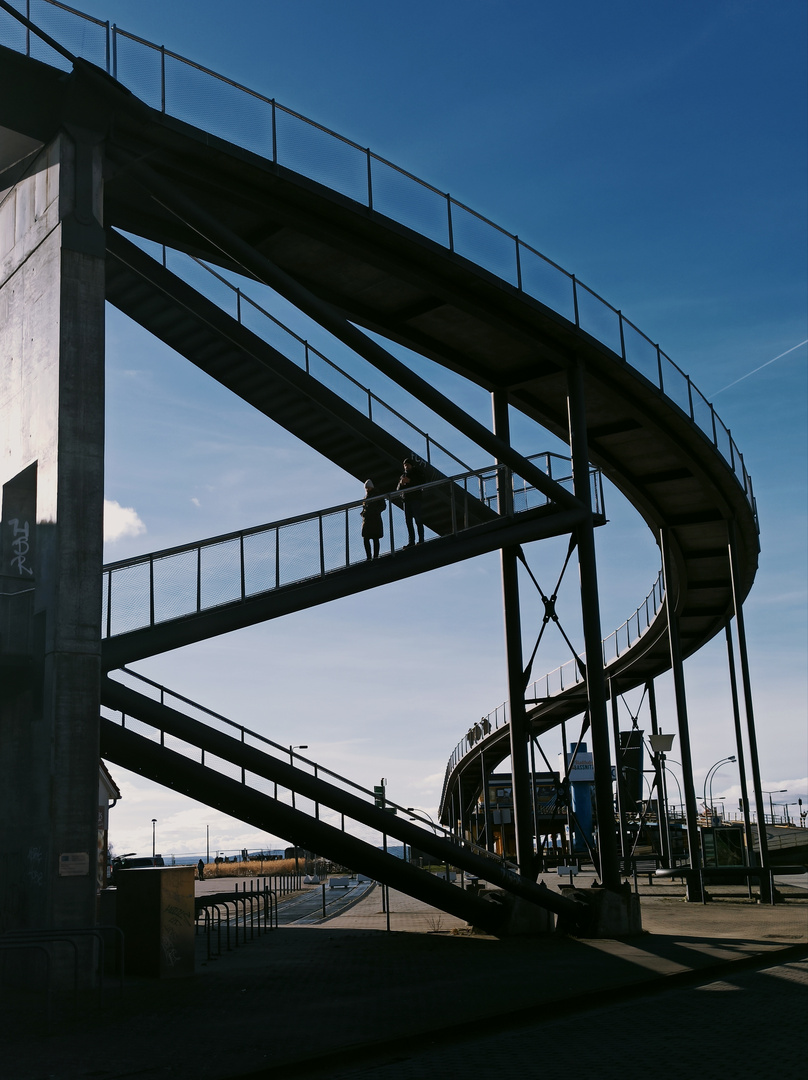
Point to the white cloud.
(120, 521)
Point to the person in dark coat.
(413, 501)
(372, 521)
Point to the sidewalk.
(301, 995)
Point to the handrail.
(172, 260)
(358, 174)
(362, 176)
(245, 736)
(177, 582)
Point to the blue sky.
(656, 151)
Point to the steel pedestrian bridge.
(205, 179)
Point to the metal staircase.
(240, 773)
(266, 364)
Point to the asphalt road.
(308, 908)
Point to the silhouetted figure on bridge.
(372, 521)
(412, 476)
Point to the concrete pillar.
(51, 477)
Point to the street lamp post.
(710, 773)
(153, 837)
(774, 791)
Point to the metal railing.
(568, 675)
(247, 737)
(252, 316)
(181, 581)
(177, 86)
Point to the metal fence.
(177, 86)
(234, 567)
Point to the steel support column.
(763, 848)
(539, 858)
(590, 614)
(694, 888)
(520, 765)
(736, 716)
(625, 849)
(489, 842)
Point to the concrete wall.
(51, 464)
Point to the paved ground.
(721, 984)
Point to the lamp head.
(661, 744)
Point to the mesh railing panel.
(475, 240)
(175, 585)
(641, 354)
(676, 385)
(220, 573)
(140, 68)
(598, 319)
(702, 413)
(129, 598)
(547, 283)
(305, 148)
(416, 206)
(228, 111)
(260, 551)
(336, 540)
(299, 545)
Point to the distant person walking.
(200, 869)
(412, 476)
(372, 521)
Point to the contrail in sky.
(762, 366)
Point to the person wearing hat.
(413, 502)
(372, 521)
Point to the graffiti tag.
(20, 545)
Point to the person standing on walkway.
(412, 476)
(200, 869)
(372, 521)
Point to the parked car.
(133, 862)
